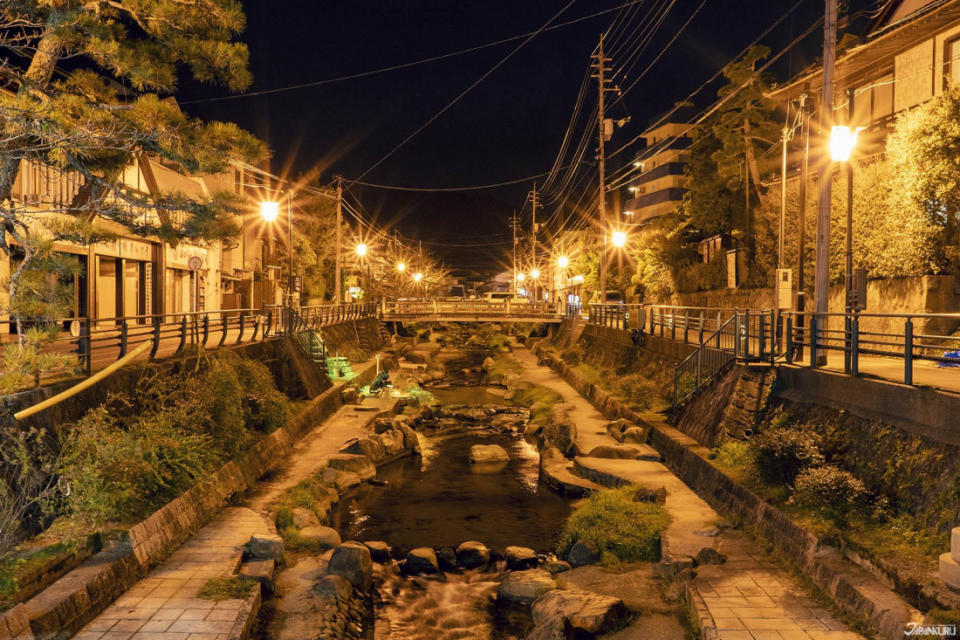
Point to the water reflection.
(437, 501)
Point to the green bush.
(783, 453)
(733, 453)
(833, 492)
(619, 524)
(638, 391)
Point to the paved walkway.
(748, 597)
(165, 606)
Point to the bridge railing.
(617, 316)
(410, 308)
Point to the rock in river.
(525, 586)
(583, 552)
(422, 560)
(320, 536)
(521, 558)
(473, 555)
(488, 453)
(352, 561)
(587, 613)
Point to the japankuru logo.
(917, 630)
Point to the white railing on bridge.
(471, 308)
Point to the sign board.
(733, 279)
(296, 283)
(194, 263)
(784, 288)
(857, 290)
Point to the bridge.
(470, 311)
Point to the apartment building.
(658, 181)
(909, 54)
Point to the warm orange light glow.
(521, 277)
(417, 277)
(269, 210)
(401, 266)
(619, 238)
(842, 142)
(535, 273)
(361, 249)
(563, 262)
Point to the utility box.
(857, 290)
(785, 289)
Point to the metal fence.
(468, 308)
(617, 316)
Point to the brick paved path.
(165, 606)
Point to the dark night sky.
(508, 127)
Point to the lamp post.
(842, 142)
(361, 250)
(270, 211)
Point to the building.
(137, 277)
(658, 182)
(909, 54)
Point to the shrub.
(831, 491)
(571, 357)
(619, 524)
(639, 392)
(232, 588)
(783, 453)
(733, 453)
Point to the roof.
(906, 24)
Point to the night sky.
(508, 127)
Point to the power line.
(467, 90)
(414, 63)
(477, 187)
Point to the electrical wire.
(467, 90)
(414, 63)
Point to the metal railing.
(708, 359)
(468, 308)
(617, 316)
(907, 337)
(96, 343)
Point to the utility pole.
(600, 66)
(338, 283)
(849, 273)
(785, 138)
(513, 225)
(533, 228)
(802, 221)
(822, 274)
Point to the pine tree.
(85, 85)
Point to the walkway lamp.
(269, 210)
(361, 249)
(535, 273)
(401, 266)
(417, 277)
(563, 262)
(618, 238)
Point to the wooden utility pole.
(821, 281)
(513, 226)
(338, 283)
(600, 65)
(802, 203)
(533, 228)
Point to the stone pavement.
(747, 597)
(165, 606)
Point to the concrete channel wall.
(71, 601)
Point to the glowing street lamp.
(563, 262)
(269, 210)
(842, 142)
(521, 277)
(401, 266)
(619, 238)
(417, 277)
(361, 249)
(535, 273)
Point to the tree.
(93, 120)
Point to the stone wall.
(924, 294)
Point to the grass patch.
(539, 400)
(309, 494)
(18, 567)
(624, 529)
(232, 588)
(502, 367)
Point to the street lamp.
(417, 277)
(842, 142)
(563, 262)
(361, 249)
(269, 210)
(401, 266)
(619, 238)
(521, 277)
(535, 273)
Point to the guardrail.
(96, 343)
(617, 316)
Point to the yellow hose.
(84, 384)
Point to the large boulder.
(359, 464)
(334, 586)
(560, 432)
(265, 547)
(554, 567)
(473, 555)
(636, 435)
(410, 439)
(320, 536)
(340, 480)
(521, 558)
(366, 447)
(393, 441)
(589, 614)
(420, 561)
(525, 586)
(583, 552)
(352, 561)
(488, 453)
(303, 517)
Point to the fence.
(468, 308)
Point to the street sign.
(194, 263)
(784, 288)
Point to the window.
(951, 64)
